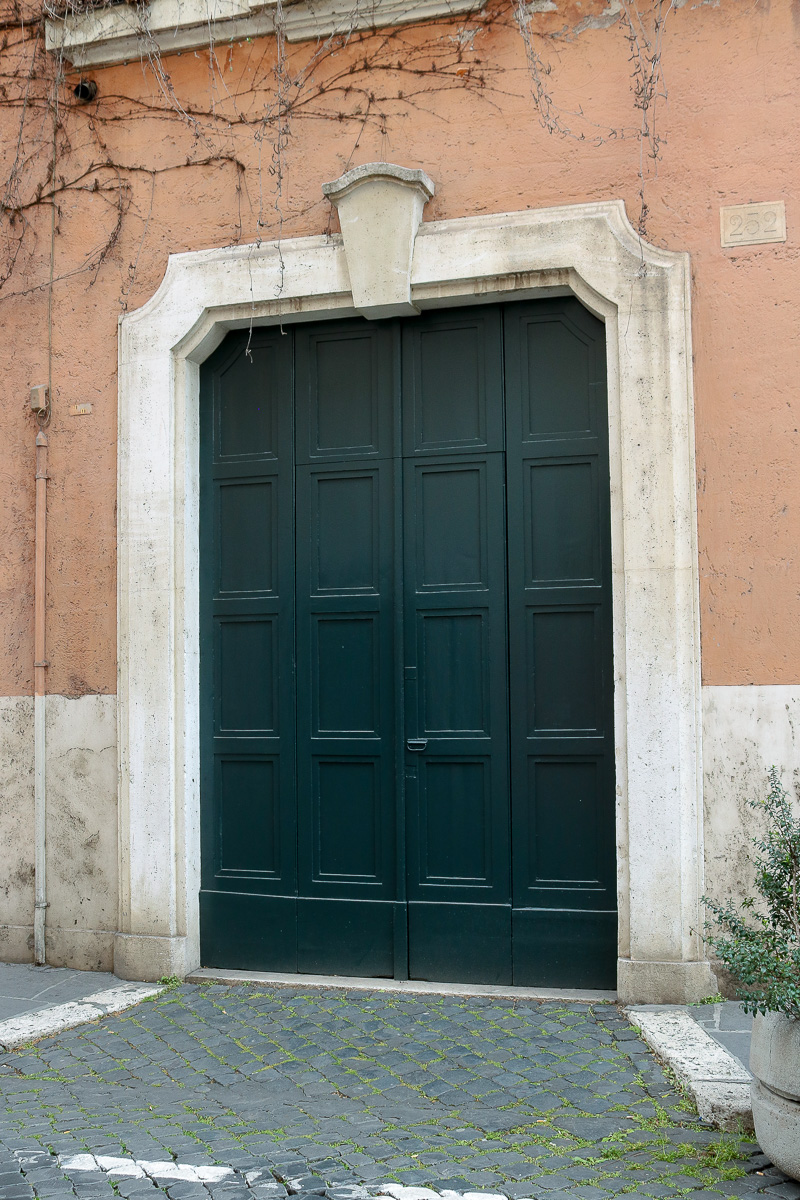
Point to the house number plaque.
(752, 224)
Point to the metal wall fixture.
(40, 406)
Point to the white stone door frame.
(642, 295)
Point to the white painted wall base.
(80, 949)
(82, 814)
(81, 830)
(16, 828)
(16, 941)
(746, 730)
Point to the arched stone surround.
(642, 295)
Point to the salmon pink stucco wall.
(175, 159)
(728, 124)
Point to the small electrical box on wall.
(39, 398)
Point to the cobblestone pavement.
(308, 1092)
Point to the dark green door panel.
(345, 391)
(346, 937)
(247, 653)
(571, 948)
(459, 943)
(457, 794)
(561, 682)
(345, 648)
(248, 931)
(407, 740)
(453, 382)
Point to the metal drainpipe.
(39, 695)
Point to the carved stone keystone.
(380, 210)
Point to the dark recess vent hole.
(85, 91)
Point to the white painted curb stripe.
(140, 1168)
(399, 1191)
(716, 1080)
(18, 1030)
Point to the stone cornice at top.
(124, 32)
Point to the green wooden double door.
(407, 752)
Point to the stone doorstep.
(409, 986)
(717, 1082)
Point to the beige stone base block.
(81, 803)
(745, 730)
(80, 949)
(16, 943)
(664, 982)
(16, 827)
(150, 958)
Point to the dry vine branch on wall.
(63, 153)
(539, 72)
(645, 36)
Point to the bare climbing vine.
(64, 148)
(539, 72)
(644, 31)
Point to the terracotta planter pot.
(775, 1091)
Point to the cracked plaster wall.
(746, 730)
(81, 830)
(16, 828)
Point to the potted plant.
(759, 943)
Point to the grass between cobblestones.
(323, 1090)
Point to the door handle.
(417, 745)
